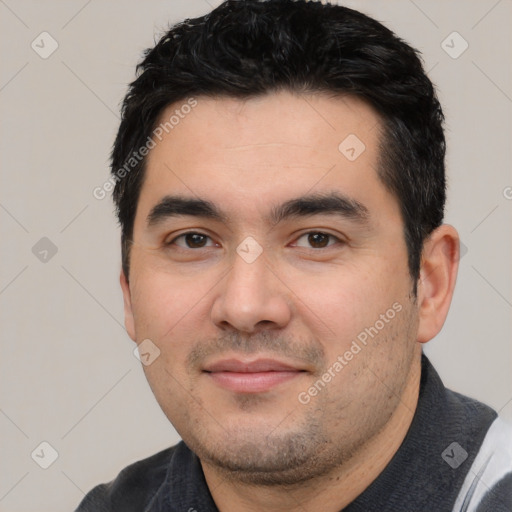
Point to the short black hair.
(248, 48)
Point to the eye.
(192, 240)
(316, 240)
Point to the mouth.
(256, 376)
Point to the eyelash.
(308, 233)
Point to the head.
(281, 204)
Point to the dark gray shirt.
(457, 456)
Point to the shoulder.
(133, 488)
(488, 484)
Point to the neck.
(332, 492)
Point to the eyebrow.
(176, 206)
(321, 204)
(304, 206)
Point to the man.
(279, 180)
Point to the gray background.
(68, 374)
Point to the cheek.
(165, 302)
(340, 301)
(174, 312)
(170, 312)
(156, 307)
(353, 305)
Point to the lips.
(260, 365)
(251, 376)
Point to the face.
(269, 271)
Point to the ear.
(438, 273)
(128, 312)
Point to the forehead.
(258, 125)
(256, 151)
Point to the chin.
(263, 456)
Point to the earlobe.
(128, 311)
(438, 274)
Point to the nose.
(251, 298)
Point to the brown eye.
(316, 240)
(192, 240)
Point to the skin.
(300, 302)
